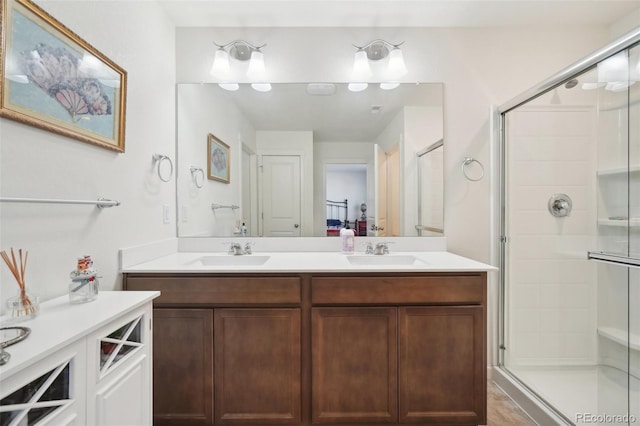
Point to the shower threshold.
(582, 394)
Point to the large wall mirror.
(306, 159)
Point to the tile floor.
(501, 410)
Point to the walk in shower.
(570, 241)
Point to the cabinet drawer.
(211, 291)
(433, 290)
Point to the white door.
(380, 182)
(281, 195)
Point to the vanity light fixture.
(375, 51)
(243, 51)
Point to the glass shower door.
(618, 238)
(571, 244)
(550, 341)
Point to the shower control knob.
(560, 205)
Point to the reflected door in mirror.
(281, 195)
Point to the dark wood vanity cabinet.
(303, 349)
(226, 349)
(182, 366)
(354, 365)
(257, 366)
(441, 365)
(416, 355)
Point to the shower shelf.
(635, 222)
(618, 171)
(620, 336)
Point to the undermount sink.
(385, 259)
(230, 260)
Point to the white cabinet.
(119, 372)
(48, 392)
(84, 364)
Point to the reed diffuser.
(24, 306)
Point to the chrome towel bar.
(100, 202)
(220, 206)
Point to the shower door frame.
(617, 46)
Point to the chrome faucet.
(247, 247)
(369, 249)
(381, 248)
(236, 249)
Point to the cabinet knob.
(296, 226)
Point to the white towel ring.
(466, 162)
(159, 158)
(194, 176)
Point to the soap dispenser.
(348, 240)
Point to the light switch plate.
(165, 214)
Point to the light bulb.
(357, 87)
(257, 70)
(232, 87)
(396, 67)
(361, 70)
(261, 87)
(221, 68)
(389, 85)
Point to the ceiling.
(395, 13)
(341, 116)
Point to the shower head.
(571, 83)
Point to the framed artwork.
(218, 164)
(54, 80)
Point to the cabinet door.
(118, 400)
(354, 365)
(48, 392)
(442, 368)
(119, 371)
(183, 367)
(257, 364)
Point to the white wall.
(35, 163)
(199, 107)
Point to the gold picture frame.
(218, 159)
(52, 79)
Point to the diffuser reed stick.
(18, 270)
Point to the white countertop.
(60, 323)
(300, 262)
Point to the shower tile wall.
(552, 287)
